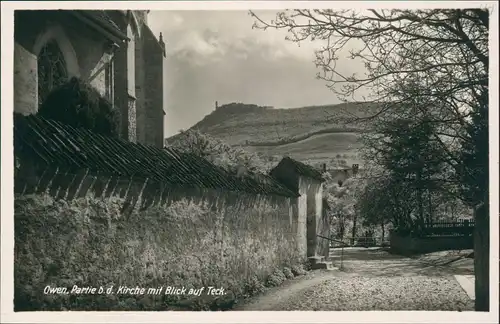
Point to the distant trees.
(344, 216)
(434, 61)
(337, 163)
(238, 107)
(232, 159)
(79, 104)
(412, 157)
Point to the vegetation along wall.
(190, 238)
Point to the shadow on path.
(372, 279)
(377, 262)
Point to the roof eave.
(110, 33)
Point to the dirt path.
(371, 280)
(288, 290)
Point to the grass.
(318, 148)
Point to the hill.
(313, 134)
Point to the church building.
(114, 50)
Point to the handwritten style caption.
(125, 290)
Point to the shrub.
(276, 278)
(79, 104)
(218, 152)
(298, 270)
(288, 273)
(254, 286)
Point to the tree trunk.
(481, 257)
(383, 233)
(431, 218)
(397, 218)
(420, 200)
(342, 227)
(354, 228)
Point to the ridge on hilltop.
(315, 134)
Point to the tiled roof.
(76, 148)
(302, 168)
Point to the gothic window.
(52, 70)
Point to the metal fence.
(362, 241)
(440, 228)
(339, 244)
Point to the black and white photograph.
(249, 158)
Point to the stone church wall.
(98, 230)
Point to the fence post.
(342, 258)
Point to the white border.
(7, 239)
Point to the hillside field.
(310, 134)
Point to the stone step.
(326, 265)
(316, 259)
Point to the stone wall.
(302, 220)
(153, 91)
(408, 245)
(140, 61)
(122, 99)
(25, 81)
(310, 219)
(96, 230)
(99, 77)
(313, 190)
(323, 229)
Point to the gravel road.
(372, 280)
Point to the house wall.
(287, 176)
(324, 231)
(81, 225)
(302, 221)
(153, 90)
(313, 190)
(321, 226)
(82, 47)
(309, 218)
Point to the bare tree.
(434, 61)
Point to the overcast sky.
(217, 56)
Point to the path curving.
(372, 280)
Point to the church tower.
(150, 85)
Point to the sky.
(217, 56)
